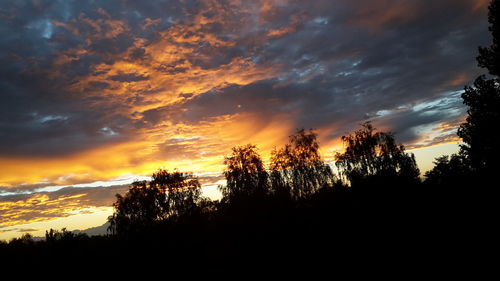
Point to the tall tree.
(183, 191)
(370, 154)
(245, 174)
(298, 167)
(140, 207)
(480, 132)
(489, 57)
(166, 196)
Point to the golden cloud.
(38, 207)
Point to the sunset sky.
(96, 94)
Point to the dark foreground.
(336, 226)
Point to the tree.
(245, 174)
(298, 167)
(480, 132)
(372, 156)
(183, 192)
(448, 171)
(167, 196)
(489, 57)
(25, 240)
(53, 235)
(140, 207)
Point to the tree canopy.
(245, 174)
(480, 132)
(370, 154)
(489, 57)
(167, 195)
(298, 166)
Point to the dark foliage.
(166, 222)
(480, 131)
(166, 196)
(372, 156)
(245, 174)
(489, 57)
(449, 171)
(298, 168)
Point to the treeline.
(297, 209)
(372, 164)
(296, 206)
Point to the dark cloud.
(33, 36)
(128, 77)
(25, 188)
(338, 70)
(19, 230)
(335, 62)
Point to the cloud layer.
(92, 90)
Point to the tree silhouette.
(245, 174)
(183, 192)
(479, 132)
(140, 207)
(298, 167)
(370, 155)
(489, 57)
(448, 171)
(53, 235)
(167, 196)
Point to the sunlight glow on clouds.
(97, 91)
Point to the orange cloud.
(441, 133)
(167, 72)
(458, 80)
(198, 148)
(38, 207)
(480, 5)
(168, 69)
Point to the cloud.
(29, 208)
(128, 77)
(93, 90)
(22, 208)
(22, 230)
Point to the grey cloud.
(18, 230)
(338, 71)
(330, 70)
(33, 34)
(128, 77)
(25, 188)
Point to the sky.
(97, 94)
